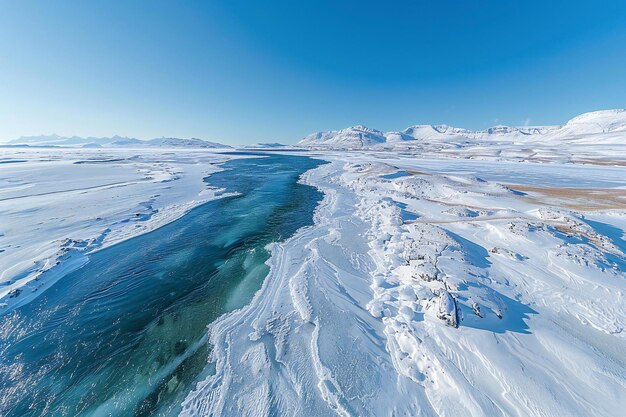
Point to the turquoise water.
(126, 334)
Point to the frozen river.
(126, 333)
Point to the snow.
(598, 122)
(57, 205)
(115, 141)
(594, 130)
(270, 145)
(482, 303)
(357, 136)
(447, 272)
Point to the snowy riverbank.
(426, 286)
(421, 293)
(59, 204)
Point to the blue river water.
(125, 335)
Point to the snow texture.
(447, 273)
(479, 304)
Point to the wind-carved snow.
(494, 295)
(424, 287)
(316, 348)
(425, 294)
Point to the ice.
(59, 204)
(447, 272)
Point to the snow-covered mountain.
(352, 137)
(271, 145)
(44, 140)
(114, 141)
(606, 126)
(187, 143)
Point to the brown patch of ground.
(601, 162)
(414, 172)
(574, 198)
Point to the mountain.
(352, 137)
(185, 143)
(125, 142)
(114, 141)
(272, 145)
(604, 121)
(64, 140)
(606, 126)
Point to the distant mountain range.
(599, 127)
(606, 126)
(115, 141)
(272, 145)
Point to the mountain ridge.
(114, 141)
(578, 128)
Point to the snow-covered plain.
(59, 204)
(478, 274)
(430, 294)
(437, 283)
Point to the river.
(126, 335)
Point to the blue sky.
(248, 71)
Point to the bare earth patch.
(414, 172)
(599, 161)
(574, 198)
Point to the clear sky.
(248, 71)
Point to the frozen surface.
(548, 174)
(56, 205)
(447, 272)
(484, 302)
